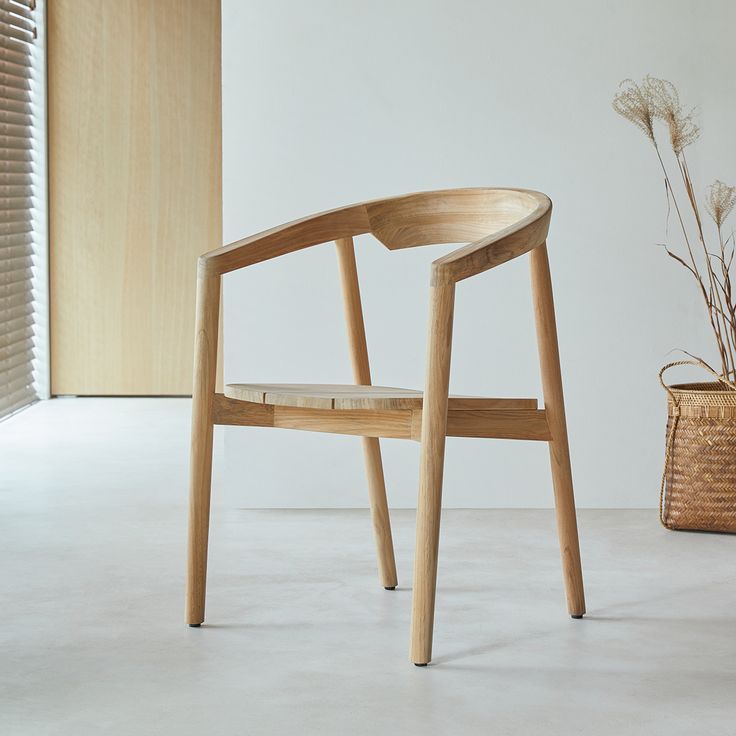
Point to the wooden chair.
(500, 224)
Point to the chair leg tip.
(420, 664)
(195, 626)
(389, 587)
(576, 615)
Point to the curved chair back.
(499, 224)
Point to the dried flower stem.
(657, 99)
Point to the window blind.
(21, 136)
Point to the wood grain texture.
(229, 411)
(502, 424)
(134, 190)
(502, 223)
(203, 417)
(559, 450)
(349, 396)
(508, 424)
(358, 345)
(431, 468)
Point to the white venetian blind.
(21, 138)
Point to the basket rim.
(702, 387)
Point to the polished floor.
(300, 637)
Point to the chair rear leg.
(432, 460)
(362, 375)
(559, 451)
(379, 513)
(205, 368)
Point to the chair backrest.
(499, 224)
(449, 216)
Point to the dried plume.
(657, 99)
(665, 102)
(720, 201)
(633, 102)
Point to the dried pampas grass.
(655, 99)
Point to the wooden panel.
(135, 188)
(348, 396)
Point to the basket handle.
(699, 363)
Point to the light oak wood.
(134, 188)
(500, 424)
(205, 375)
(504, 224)
(235, 412)
(344, 396)
(559, 451)
(519, 424)
(357, 342)
(509, 223)
(431, 468)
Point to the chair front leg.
(205, 371)
(429, 505)
(559, 451)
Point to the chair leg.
(429, 505)
(559, 451)
(362, 375)
(199, 520)
(379, 513)
(205, 369)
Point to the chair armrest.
(504, 245)
(344, 222)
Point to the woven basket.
(698, 488)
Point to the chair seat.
(348, 396)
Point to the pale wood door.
(135, 194)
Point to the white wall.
(332, 102)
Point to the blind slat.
(18, 347)
(17, 167)
(8, 117)
(16, 141)
(15, 360)
(17, 239)
(17, 81)
(16, 191)
(17, 379)
(14, 251)
(11, 340)
(9, 66)
(11, 48)
(10, 296)
(17, 312)
(10, 278)
(10, 30)
(17, 287)
(21, 206)
(13, 154)
(16, 130)
(16, 95)
(17, 107)
(17, 19)
(15, 228)
(19, 7)
(12, 326)
(17, 400)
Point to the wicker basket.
(698, 488)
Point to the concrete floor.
(300, 637)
